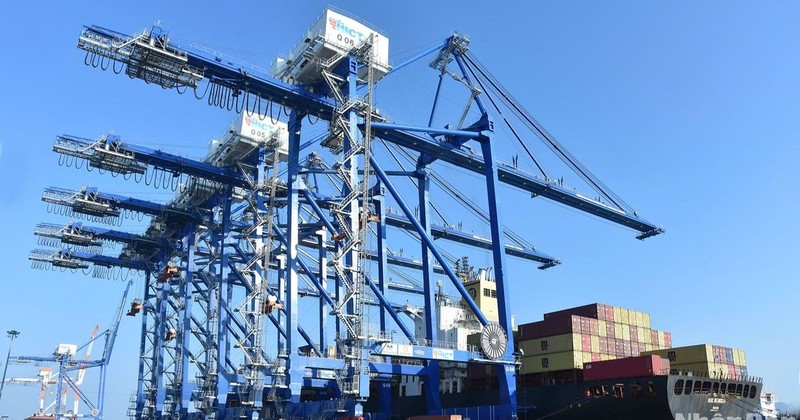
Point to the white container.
(334, 34)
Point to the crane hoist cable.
(466, 202)
(530, 153)
(475, 66)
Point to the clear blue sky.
(688, 110)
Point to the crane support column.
(281, 298)
(223, 376)
(187, 288)
(322, 239)
(507, 378)
(142, 393)
(380, 209)
(162, 297)
(294, 366)
(431, 311)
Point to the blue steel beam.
(389, 308)
(432, 374)
(101, 41)
(106, 261)
(168, 161)
(235, 273)
(507, 379)
(119, 236)
(132, 204)
(446, 152)
(450, 234)
(428, 241)
(437, 231)
(214, 68)
(143, 206)
(294, 369)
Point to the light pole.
(12, 335)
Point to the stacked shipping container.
(626, 368)
(567, 339)
(717, 361)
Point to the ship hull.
(649, 397)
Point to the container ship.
(590, 362)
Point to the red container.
(611, 332)
(731, 371)
(585, 328)
(619, 348)
(588, 311)
(668, 340)
(595, 357)
(635, 334)
(604, 345)
(654, 337)
(625, 368)
(626, 346)
(594, 327)
(609, 313)
(586, 343)
(550, 327)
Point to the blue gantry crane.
(64, 358)
(260, 223)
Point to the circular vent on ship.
(493, 340)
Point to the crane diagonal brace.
(445, 152)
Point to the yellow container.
(626, 316)
(605, 357)
(602, 328)
(700, 353)
(617, 315)
(661, 340)
(647, 338)
(626, 332)
(713, 370)
(587, 357)
(552, 344)
(595, 344)
(618, 331)
(551, 362)
(646, 321)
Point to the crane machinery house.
(325, 44)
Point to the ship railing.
(716, 375)
(445, 345)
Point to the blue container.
(729, 356)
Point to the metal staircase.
(352, 214)
(259, 237)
